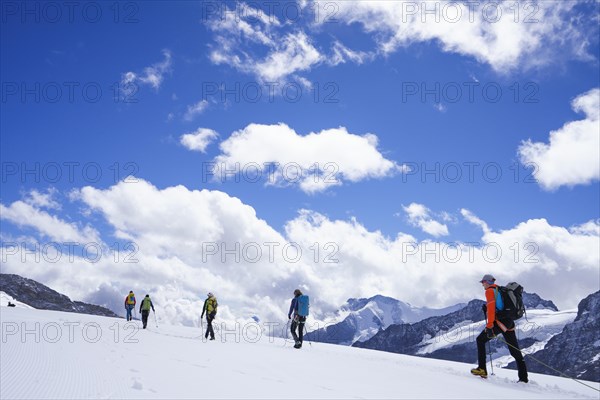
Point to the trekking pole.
(155, 322)
(545, 365)
(287, 332)
(489, 347)
(219, 333)
(491, 360)
(306, 332)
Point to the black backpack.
(512, 297)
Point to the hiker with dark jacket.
(210, 308)
(145, 307)
(495, 326)
(298, 321)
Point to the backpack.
(146, 304)
(303, 305)
(211, 305)
(498, 298)
(511, 304)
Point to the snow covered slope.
(5, 299)
(52, 354)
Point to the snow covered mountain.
(358, 320)
(452, 336)
(42, 297)
(361, 319)
(51, 354)
(575, 351)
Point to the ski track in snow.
(176, 362)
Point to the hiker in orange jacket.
(494, 327)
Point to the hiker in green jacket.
(210, 309)
(145, 307)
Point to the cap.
(488, 278)
(147, 295)
(210, 294)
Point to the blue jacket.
(293, 307)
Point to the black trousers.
(298, 322)
(145, 314)
(209, 328)
(510, 337)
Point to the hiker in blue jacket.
(298, 321)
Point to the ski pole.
(219, 332)
(306, 332)
(491, 360)
(489, 347)
(155, 322)
(287, 333)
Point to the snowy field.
(50, 354)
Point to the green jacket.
(210, 306)
(146, 304)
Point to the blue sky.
(189, 48)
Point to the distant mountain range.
(452, 336)
(361, 319)
(567, 340)
(42, 297)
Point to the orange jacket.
(490, 298)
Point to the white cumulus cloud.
(198, 140)
(189, 242)
(420, 216)
(572, 156)
(24, 214)
(313, 162)
(499, 34)
(486, 30)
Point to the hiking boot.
(212, 338)
(523, 380)
(479, 372)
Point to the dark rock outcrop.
(576, 350)
(42, 297)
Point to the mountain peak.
(362, 318)
(42, 297)
(355, 304)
